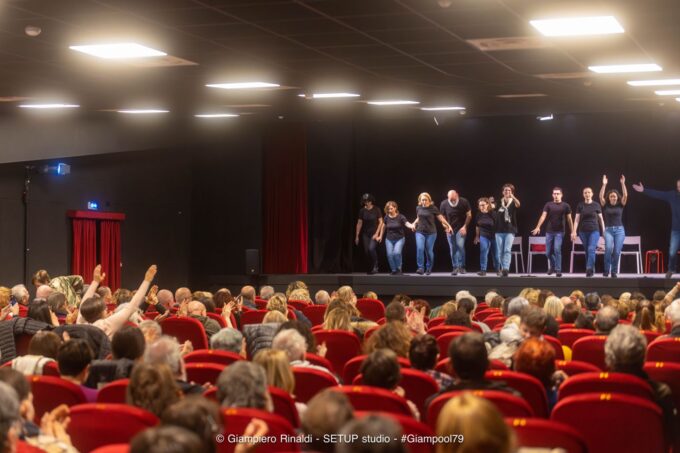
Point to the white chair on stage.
(598, 251)
(536, 247)
(635, 241)
(518, 253)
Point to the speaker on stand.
(253, 266)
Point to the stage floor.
(445, 285)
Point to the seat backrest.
(590, 349)
(481, 315)
(253, 317)
(416, 431)
(557, 346)
(235, 421)
(51, 369)
(113, 448)
(212, 356)
(298, 304)
(445, 340)
(314, 313)
(21, 342)
(568, 336)
(342, 346)
(623, 414)
(650, 336)
(632, 240)
(495, 321)
(220, 320)
(606, 382)
(185, 328)
(113, 392)
(574, 367)
(531, 388)
(434, 322)
(418, 386)
(536, 244)
(352, 367)
(309, 382)
(95, 425)
(316, 359)
(201, 373)
(261, 304)
(365, 398)
(507, 404)
(371, 309)
(284, 406)
(669, 374)
(517, 241)
(50, 391)
(546, 434)
(442, 329)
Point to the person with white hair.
(605, 320)
(244, 384)
(463, 293)
(230, 340)
(266, 292)
(167, 350)
(151, 330)
(20, 294)
(516, 305)
(197, 310)
(295, 345)
(43, 292)
(673, 313)
(489, 296)
(322, 297)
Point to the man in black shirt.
(457, 212)
(555, 212)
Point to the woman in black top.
(486, 227)
(368, 228)
(614, 233)
(426, 232)
(506, 227)
(392, 230)
(589, 219)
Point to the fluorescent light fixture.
(242, 85)
(578, 26)
(523, 95)
(621, 68)
(302, 95)
(334, 95)
(652, 83)
(216, 115)
(667, 92)
(118, 51)
(393, 102)
(677, 99)
(545, 118)
(142, 111)
(437, 109)
(49, 106)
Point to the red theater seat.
(220, 320)
(235, 421)
(51, 369)
(664, 350)
(114, 448)
(440, 330)
(316, 359)
(96, 425)
(212, 356)
(253, 317)
(606, 382)
(444, 366)
(351, 369)
(365, 398)
(202, 373)
(507, 404)
(298, 304)
(569, 336)
(531, 388)
(418, 386)
(114, 392)
(342, 346)
(21, 342)
(481, 315)
(309, 382)
(605, 419)
(49, 392)
(315, 313)
(494, 321)
(650, 336)
(284, 406)
(370, 331)
(434, 322)
(668, 373)
(371, 309)
(574, 367)
(547, 434)
(443, 341)
(557, 346)
(590, 349)
(409, 425)
(185, 328)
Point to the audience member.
(327, 412)
(152, 388)
(166, 350)
(537, 358)
(198, 311)
(381, 369)
(163, 439)
(322, 297)
(295, 346)
(366, 429)
(423, 356)
(279, 373)
(266, 292)
(244, 384)
(230, 340)
(198, 415)
(42, 349)
(74, 357)
(606, 319)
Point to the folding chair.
(599, 250)
(536, 247)
(635, 241)
(518, 253)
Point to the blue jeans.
(673, 250)
(394, 249)
(425, 244)
(613, 244)
(457, 248)
(589, 241)
(504, 249)
(553, 250)
(487, 245)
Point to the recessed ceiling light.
(242, 85)
(667, 92)
(216, 115)
(49, 106)
(651, 83)
(545, 118)
(436, 109)
(334, 95)
(142, 111)
(117, 51)
(578, 26)
(393, 102)
(522, 95)
(621, 68)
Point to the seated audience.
(570, 312)
(198, 415)
(260, 336)
(593, 301)
(151, 330)
(230, 340)
(394, 335)
(606, 319)
(244, 384)
(338, 319)
(266, 292)
(585, 320)
(301, 295)
(74, 357)
(39, 310)
(537, 358)
(247, 297)
(327, 412)
(279, 373)
(423, 356)
(646, 319)
(128, 343)
(381, 369)
(395, 311)
(58, 306)
(532, 322)
(222, 297)
(458, 318)
(306, 332)
(197, 311)
(42, 349)
(182, 296)
(322, 297)
(163, 439)
(515, 306)
(674, 316)
(166, 350)
(152, 388)
(468, 305)
(69, 285)
(366, 429)
(295, 346)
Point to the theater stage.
(442, 286)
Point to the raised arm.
(97, 277)
(117, 320)
(658, 194)
(624, 191)
(603, 189)
(541, 219)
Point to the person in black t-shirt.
(614, 233)
(368, 229)
(457, 212)
(392, 231)
(589, 219)
(555, 212)
(486, 227)
(506, 227)
(426, 232)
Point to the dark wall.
(398, 159)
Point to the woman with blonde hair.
(338, 319)
(346, 295)
(553, 307)
(394, 335)
(426, 232)
(278, 302)
(274, 316)
(646, 318)
(478, 423)
(300, 294)
(279, 373)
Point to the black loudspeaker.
(252, 262)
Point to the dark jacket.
(105, 371)
(259, 336)
(95, 337)
(13, 327)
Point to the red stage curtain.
(285, 200)
(84, 247)
(109, 250)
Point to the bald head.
(165, 298)
(182, 294)
(248, 292)
(322, 297)
(452, 195)
(196, 308)
(43, 292)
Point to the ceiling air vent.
(516, 43)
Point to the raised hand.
(604, 180)
(98, 276)
(623, 179)
(150, 273)
(151, 298)
(639, 187)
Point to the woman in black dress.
(368, 229)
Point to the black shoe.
(589, 272)
(505, 272)
(454, 271)
(393, 273)
(669, 274)
(461, 270)
(605, 274)
(428, 272)
(499, 273)
(481, 273)
(558, 274)
(420, 272)
(550, 271)
(614, 275)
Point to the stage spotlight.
(60, 169)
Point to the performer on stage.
(672, 197)
(555, 212)
(486, 227)
(457, 212)
(614, 233)
(506, 227)
(426, 232)
(392, 230)
(589, 219)
(368, 227)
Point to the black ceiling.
(380, 48)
